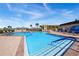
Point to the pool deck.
(14, 45)
(11, 46)
(74, 49)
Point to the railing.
(66, 38)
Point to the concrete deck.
(65, 34)
(11, 46)
(74, 49)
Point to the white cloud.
(33, 15)
(19, 12)
(19, 15)
(48, 9)
(9, 6)
(68, 14)
(13, 21)
(26, 12)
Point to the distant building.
(65, 27)
(69, 25)
(21, 29)
(27, 29)
(50, 27)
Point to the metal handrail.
(66, 38)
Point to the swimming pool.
(44, 44)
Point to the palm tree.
(1, 31)
(42, 27)
(37, 24)
(31, 26)
(75, 19)
(5, 29)
(9, 28)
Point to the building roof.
(70, 23)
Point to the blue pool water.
(42, 43)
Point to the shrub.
(1, 31)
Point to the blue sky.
(19, 14)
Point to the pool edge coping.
(25, 47)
